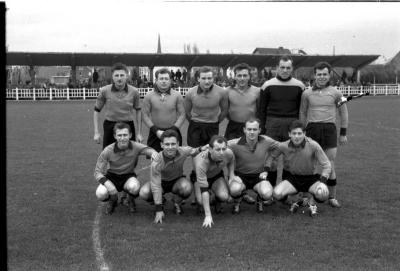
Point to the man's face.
(297, 136)
(169, 146)
(119, 78)
(322, 77)
(218, 151)
(122, 136)
(206, 80)
(252, 130)
(285, 69)
(242, 78)
(163, 81)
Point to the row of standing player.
(207, 104)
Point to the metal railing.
(91, 93)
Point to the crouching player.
(209, 166)
(300, 155)
(250, 153)
(115, 168)
(166, 174)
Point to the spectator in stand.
(178, 75)
(172, 75)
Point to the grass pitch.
(51, 205)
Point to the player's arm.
(201, 174)
(181, 111)
(303, 108)
(188, 105)
(156, 189)
(146, 108)
(344, 122)
(264, 100)
(231, 167)
(100, 101)
(149, 152)
(223, 104)
(99, 171)
(323, 160)
(136, 105)
(272, 155)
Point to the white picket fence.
(91, 93)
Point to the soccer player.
(206, 105)
(119, 100)
(318, 110)
(162, 109)
(279, 104)
(300, 154)
(251, 151)
(166, 174)
(243, 101)
(115, 168)
(209, 166)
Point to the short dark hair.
(163, 71)
(241, 66)
(169, 133)
(285, 58)
(120, 126)
(297, 124)
(322, 65)
(252, 119)
(217, 138)
(119, 66)
(205, 69)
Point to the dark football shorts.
(324, 133)
(302, 183)
(200, 133)
(168, 185)
(250, 180)
(234, 130)
(213, 179)
(278, 128)
(119, 180)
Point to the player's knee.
(145, 192)
(278, 194)
(265, 193)
(321, 193)
(235, 189)
(102, 193)
(185, 189)
(132, 186)
(222, 196)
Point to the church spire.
(159, 45)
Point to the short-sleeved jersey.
(167, 169)
(251, 160)
(320, 105)
(119, 104)
(242, 104)
(301, 160)
(206, 168)
(206, 106)
(119, 161)
(163, 109)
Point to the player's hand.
(97, 138)
(159, 133)
(208, 221)
(159, 217)
(342, 140)
(110, 187)
(139, 138)
(263, 176)
(155, 157)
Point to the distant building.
(272, 51)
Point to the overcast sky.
(133, 26)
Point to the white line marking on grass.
(101, 263)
